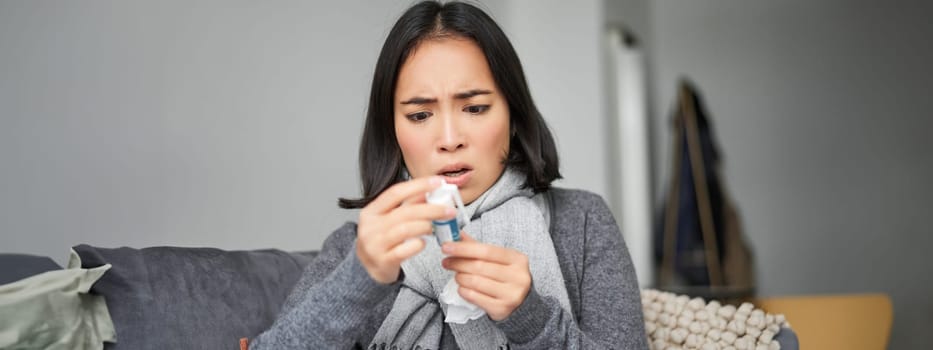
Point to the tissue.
(459, 310)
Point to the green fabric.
(53, 310)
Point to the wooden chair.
(851, 322)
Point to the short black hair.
(531, 146)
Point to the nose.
(452, 137)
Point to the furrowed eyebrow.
(459, 96)
(471, 93)
(419, 101)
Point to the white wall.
(823, 113)
(229, 124)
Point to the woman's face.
(450, 117)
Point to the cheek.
(496, 137)
(413, 149)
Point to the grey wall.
(634, 15)
(560, 44)
(229, 124)
(226, 124)
(823, 112)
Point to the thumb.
(466, 237)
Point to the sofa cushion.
(192, 298)
(18, 266)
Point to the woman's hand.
(494, 278)
(390, 227)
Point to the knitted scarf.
(506, 215)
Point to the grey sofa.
(190, 298)
(181, 298)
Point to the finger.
(406, 250)
(393, 197)
(402, 232)
(491, 305)
(415, 199)
(466, 237)
(491, 270)
(482, 251)
(422, 212)
(494, 289)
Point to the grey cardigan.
(336, 305)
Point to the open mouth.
(456, 170)
(458, 174)
(455, 173)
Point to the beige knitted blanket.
(676, 322)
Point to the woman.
(545, 268)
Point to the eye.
(476, 109)
(418, 117)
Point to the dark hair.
(531, 147)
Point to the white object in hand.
(447, 195)
(459, 310)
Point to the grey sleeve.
(332, 305)
(610, 313)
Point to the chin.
(469, 196)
